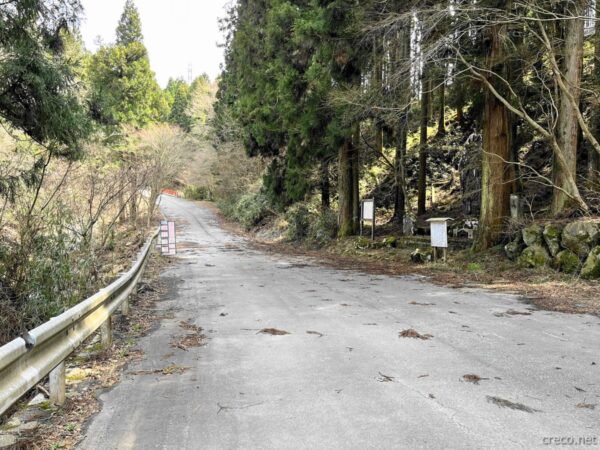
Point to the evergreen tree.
(129, 29)
(39, 94)
(178, 97)
(38, 91)
(123, 86)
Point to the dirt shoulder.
(545, 288)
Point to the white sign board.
(439, 232)
(168, 239)
(368, 210)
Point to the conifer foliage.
(321, 89)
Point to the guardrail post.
(125, 307)
(57, 384)
(106, 337)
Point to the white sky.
(177, 33)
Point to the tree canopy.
(129, 29)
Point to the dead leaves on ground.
(194, 337)
(473, 378)
(315, 333)
(503, 403)
(171, 369)
(512, 312)
(585, 405)
(385, 378)
(411, 333)
(273, 332)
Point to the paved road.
(360, 385)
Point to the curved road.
(342, 377)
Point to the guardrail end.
(30, 340)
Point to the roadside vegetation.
(87, 143)
(432, 108)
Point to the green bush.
(298, 219)
(323, 227)
(474, 267)
(251, 209)
(55, 274)
(197, 193)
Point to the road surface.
(343, 378)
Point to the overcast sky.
(177, 33)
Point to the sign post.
(439, 235)
(168, 238)
(367, 213)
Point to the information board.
(367, 213)
(168, 238)
(368, 210)
(439, 234)
(439, 231)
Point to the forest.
(87, 143)
(433, 108)
(185, 260)
(483, 111)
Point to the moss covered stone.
(532, 235)
(513, 248)
(421, 256)
(390, 242)
(566, 261)
(591, 266)
(362, 243)
(581, 237)
(552, 234)
(534, 256)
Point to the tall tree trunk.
(325, 186)
(355, 159)
(594, 157)
(401, 133)
(345, 217)
(441, 131)
(567, 129)
(400, 169)
(378, 85)
(425, 106)
(133, 206)
(495, 178)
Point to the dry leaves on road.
(194, 338)
(171, 369)
(585, 406)
(410, 333)
(273, 332)
(472, 378)
(503, 403)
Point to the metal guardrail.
(25, 361)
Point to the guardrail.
(25, 361)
